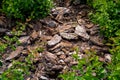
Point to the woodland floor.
(57, 36)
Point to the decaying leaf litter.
(57, 36)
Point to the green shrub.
(19, 69)
(106, 15)
(12, 75)
(23, 9)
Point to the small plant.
(3, 46)
(10, 41)
(16, 72)
(22, 9)
(12, 74)
(106, 15)
(19, 69)
(87, 68)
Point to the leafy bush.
(23, 9)
(107, 16)
(12, 75)
(19, 69)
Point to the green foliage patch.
(22, 9)
(87, 68)
(19, 69)
(107, 15)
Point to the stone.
(100, 49)
(80, 30)
(15, 53)
(34, 35)
(108, 58)
(50, 57)
(61, 62)
(57, 67)
(81, 22)
(76, 2)
(58, 12)
(90, 25)
(69, 36)
(43, 78)
(96, 40)
(59, 9)
(56, 39)
(73, 63)
(24, 39)
(62, 44)
(63, 56)
(52, 24)
(68, 59)
(63, 28)
(84, 46)
(71, 53)
(60, 53)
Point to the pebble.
(56, 39)
(15, 53)
(61, 61)
(52, 24)
(108, 57)
(59, 53)
(24, 39)
(90, 25)
(81, 22)
(68, 59)
(50, 57)
(63, 56)
(80, 30)
(57, 67)
(96, 40)
(69, 36)
(43, 78)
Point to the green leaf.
(118, 32)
